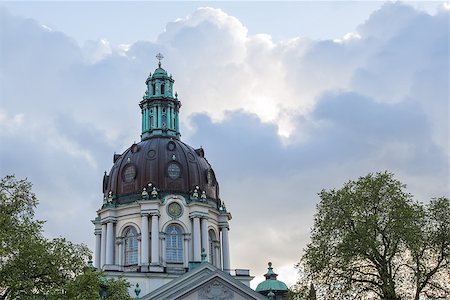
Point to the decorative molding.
(109, 219)
(215, 291)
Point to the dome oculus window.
(151, 153)
(171, 146)
(129, 173)
(174, 171)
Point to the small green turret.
(271, 287)
(160, 108)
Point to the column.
(103, 247)
(217, 254)
(155, 240)
(145, 238)
(162, 239)
(159, 117)
(196, 240)
(147, 119)
(139, 249)
(225, 250)
(121, 252)
(168, 116)
(186, 251)
(205, 239)
(109, 243)
(143, 120)
(98, 243)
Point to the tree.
(429, 250)
(33, 267)
(370, 240)
(302, 290)
(92, 283)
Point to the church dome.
(271, 284)
(166, 163)
(160, 160)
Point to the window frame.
(174, 244)
(130, 246)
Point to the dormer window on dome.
(159, 107)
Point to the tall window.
(174, 244)
(131, 246)
(212, 238)
(162, 89)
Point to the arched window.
(174, 244)
(131, 246)
(212, 239)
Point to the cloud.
(279, 121)
(8, 124)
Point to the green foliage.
(371, 240)
(17, 205)
(85, 286)
(117, 289)
(88, 285)
(33, 267)
(301, 291)
(429, 250)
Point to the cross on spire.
(159, 56)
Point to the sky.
(286, 98)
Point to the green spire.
(271, 284)
(160, 108)
(270, 273)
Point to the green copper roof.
(271, 283)
(159, 71)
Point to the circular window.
(174, 210)
(151, 154)
(171, 146)
(174, 171)
(129, 173)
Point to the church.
(162, 225)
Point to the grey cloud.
(358, 106)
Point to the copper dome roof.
(167, 163)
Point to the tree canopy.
(33, 267)
(371, 240)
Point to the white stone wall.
(132, 214)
